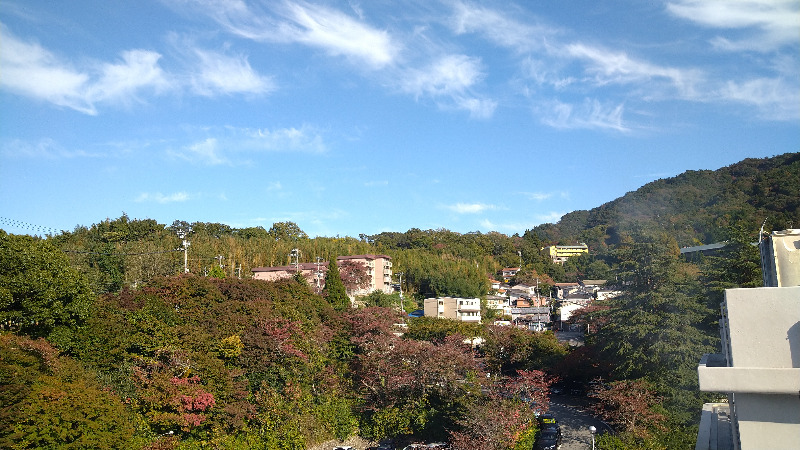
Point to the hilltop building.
(561, 253)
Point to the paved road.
(574, 423)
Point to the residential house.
(312, 272)
(509, 272)
(605, 294)
(462, 309)
(532, 318)
(498, 303)
(561, 253)
(567, 309)
(564, 289)
(592, 285)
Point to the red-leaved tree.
(628, 404)
(354, 275)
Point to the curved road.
(574, 423)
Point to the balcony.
(715, 376)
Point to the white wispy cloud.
(448, 80)
(339, 34)
(607, 67)
(775, 98)
(33, 71)
(235, 146)
(507, 227)
(541, 196)
(158, 197)
(375, 183)
(470, 208)
(207, 152)
(220, 73)
(317, 26)
(551, 217)
(305, 139)
(499, 27)
(774, 23)
(591, 114)
(44, 148)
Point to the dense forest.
(109, 342)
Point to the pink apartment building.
(378, 267)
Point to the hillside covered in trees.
(107, 343)
(696, 207)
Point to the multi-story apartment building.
(378, 267)
(561, 253)
(759, 367)
(463, 309)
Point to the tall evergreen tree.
(656, 331)
(335, 292)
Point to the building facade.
(461, 309)
(759, 367)
(378, 268)
(561, 253)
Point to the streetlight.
(592, 430)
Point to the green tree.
(335, 291)
(288, 231)
(216, 272)
(510, 349)
(656, 330)
(49, 401)
(39, 291)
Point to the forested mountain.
(696, 207)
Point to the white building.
(462, 309)
(759, 369)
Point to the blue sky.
(352, 117)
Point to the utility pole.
(295, 253)
(182, 233)
(318, 275)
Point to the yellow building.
(560, 253)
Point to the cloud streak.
(316, 26)
(234, 146)
(222, 74)
(773, 23)
(158, 197)
(32, 71)
(470, 208)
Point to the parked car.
(549, 439)
(344, 447)
(382, 447)
(548, 421)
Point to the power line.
(28, 226)
(123, 254)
